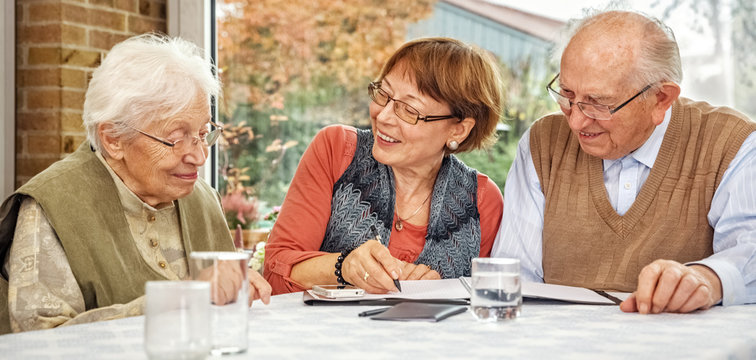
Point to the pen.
(373, 312)
(378, 237)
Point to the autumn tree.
(290, 67)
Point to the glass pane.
(290, 68)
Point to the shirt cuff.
(733, 285)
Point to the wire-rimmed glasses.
(403, 110)
(593, 111)
(188, 142)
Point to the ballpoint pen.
(373, 312)
(378, 237)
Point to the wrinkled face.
(595, 72)
(399, 144)
(155, 172)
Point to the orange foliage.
(270, 48)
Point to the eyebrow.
(410, 96)
(599, 99)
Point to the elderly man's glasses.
(594, 111)
(403, 110)
(189, 142)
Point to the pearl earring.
(453, 145)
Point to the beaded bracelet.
(339, 261)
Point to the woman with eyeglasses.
(80, 239)
(368, 207)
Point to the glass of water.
(496, 289)
(176, 317)
(229, 294)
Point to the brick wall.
(58, 45)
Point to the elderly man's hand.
(666, 285)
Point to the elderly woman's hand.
(258, 287)
(371, 267)
(225, 281)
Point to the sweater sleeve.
(490, 207)
(301, 225)
(42, 290)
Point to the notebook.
(415, 311)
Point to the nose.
(197, 153)
(387, 113)
(576, 118)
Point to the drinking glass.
(229, 294)
(496, 289)
(176, 317)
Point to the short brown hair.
(461, 75)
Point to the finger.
(262, 289)
(629, 304)
(666, 287)
(699, 299)
(354, 269)
(431, 275)
(688, 285)
(390, 264)
(647, 280)
(378, 277)
(417, 272)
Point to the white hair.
(659, 58)
(143, 79)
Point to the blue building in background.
(512, 35)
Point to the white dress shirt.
(732, 213)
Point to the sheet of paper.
(563, 293)
(416, 290)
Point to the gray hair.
(143, 79)
(659, 58)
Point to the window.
(291, 67)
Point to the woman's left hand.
(411, 271)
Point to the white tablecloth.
(289, 329)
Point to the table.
(288, 329)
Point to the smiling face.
(155, 172)
(594, 69)
(401, 145)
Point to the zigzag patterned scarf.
(364, 195)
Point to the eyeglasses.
(594, 111)
(403, 110)
(188, 142)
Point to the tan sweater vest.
(586, 243)
(81, 202)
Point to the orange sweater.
(301, 225)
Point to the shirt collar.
(646, 154)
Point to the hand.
(225, 281)
(373, 259)
(418, 272)
(258, 287)
(666, 285)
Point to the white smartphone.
(338, 291)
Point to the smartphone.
(338, 291)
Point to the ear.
(461, 130)
(665, 97)
(113, 146)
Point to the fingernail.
(394, 275)
(655, 310)
(643, 308)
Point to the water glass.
(229, 294)
(496, 289)
(176, 317)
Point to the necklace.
(399, 226)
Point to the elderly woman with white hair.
(80, 239)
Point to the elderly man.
(79, 240)
(631, 187)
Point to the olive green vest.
(586, 243)
(81, 202)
